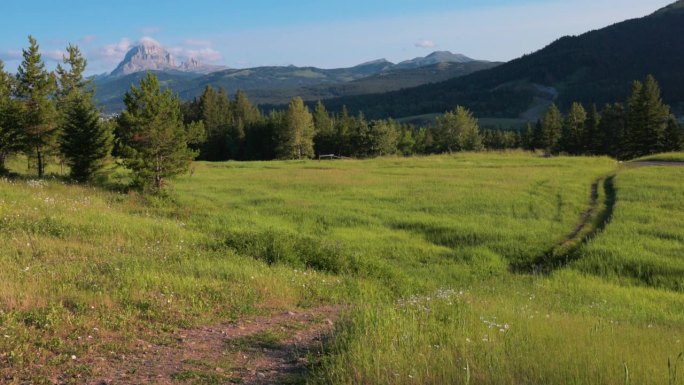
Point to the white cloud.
(55, 54)
(203, 55)
(88, 39)
(201, 50)
(114, 53)
(13, 54)
(425, 44)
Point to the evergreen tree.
(242, 115)
(295, 137)
(214, 111)
(612, 129)
(35, 89)
(573, 133)
(342, 136)
(71, 78)
(11, 135)
(155, 141)
(592, 135)
(84, 141)
(551, 129)
(674, 135)
(528, 138)
(324, 142)
(646, 120)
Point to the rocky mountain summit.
(149, 55)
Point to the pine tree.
(295, 137)
(573, 133)
(85, 142)
(538, 139)
(551, 129)
(35, 89)
(11, 134)
(342, 140)
(527, 138)
(155, 141)
(592, 136)
(242, 115)
(674, 136)
(71, 78)
(612, 131)
(324, 142)
(646, 120)
(214, 111)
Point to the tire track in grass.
(592, 221)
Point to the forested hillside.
(596, 67)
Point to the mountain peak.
(147, 55)
(435, 58)
(150, 55)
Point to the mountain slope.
(596, 67)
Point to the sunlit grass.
(421, 248)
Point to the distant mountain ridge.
(595, 67)
(276, 85)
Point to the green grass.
(664, 157)
(422, 249)
(644, 243)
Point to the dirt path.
(264, 350)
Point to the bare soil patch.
(275, 349)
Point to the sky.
(325, 34)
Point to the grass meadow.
(433, 256)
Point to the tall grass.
(421, 248)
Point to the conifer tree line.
(643, 125)
(238, 130)
(51, 115)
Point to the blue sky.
(244, 33)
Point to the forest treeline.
(52, 115)
(236, 129)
